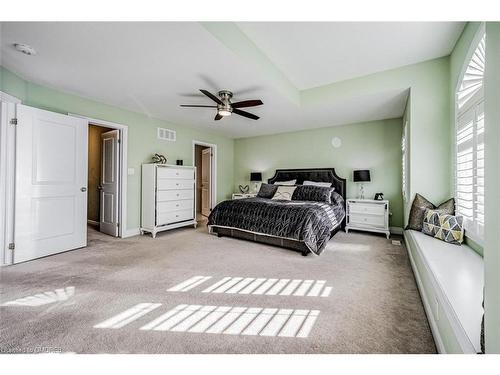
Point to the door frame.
(213, 174)
(7, 177)
(123, 169)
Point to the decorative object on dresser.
(361, 177)
(159, 159)
(243, 195)
(255, 177)
(244, 189)
(179, 162)
(379, 197)
(368, 215)
(168, 199)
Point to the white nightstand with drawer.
(368, 215)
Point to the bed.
(304, 226)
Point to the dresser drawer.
(187, 174)
(367, 220)
(174, 195)
(367, 208)
(174, 184)
(174, 217)
(164, 207)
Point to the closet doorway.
(204, 161)
(103, 184)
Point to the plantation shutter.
(469, 179)
(470, 168)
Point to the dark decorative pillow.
(418, 207)
(267, 191)
(447, 228)
(313, 193)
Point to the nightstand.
(241, 196)
(368, 215)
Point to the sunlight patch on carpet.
(227, 320)
(258, 286)
(45, 298)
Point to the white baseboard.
(396, 230)
(131, 232)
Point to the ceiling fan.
(225, 107)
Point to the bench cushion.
(459, 273)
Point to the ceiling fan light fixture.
(224, 112)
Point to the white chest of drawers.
(368, 215)
(168, 199)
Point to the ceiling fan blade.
(198, 106)
(247, 103)
(211, 96)
(245, 114)
(218, 117)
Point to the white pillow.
(314, 183)
(284, 193)
(291, 182)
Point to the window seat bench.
(450, 279)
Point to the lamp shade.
(362, 175)
(255, 176)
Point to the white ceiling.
(151, 68)
(313, 54)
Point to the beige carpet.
(372, 306)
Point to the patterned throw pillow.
(448, 228)
(418, 207)
(267, 191)
(313, 193)
(284, 193)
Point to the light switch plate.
(131, 171)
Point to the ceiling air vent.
(166, 134)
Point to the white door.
(51, 183)
(206, 172)
(108, 222)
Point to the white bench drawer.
(187, 174)
(367, 208)
(174, 217)
(175, 184)
(174, 195)
(164, 207)
(368, 220)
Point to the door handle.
(83, 189)
(99, 187)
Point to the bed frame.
(301, 175)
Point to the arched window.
(469, 157)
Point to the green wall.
(373, 145)
(430, 141)
(142, 142)
(492, 188)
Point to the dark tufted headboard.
(311, 174)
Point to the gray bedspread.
(309, 222)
